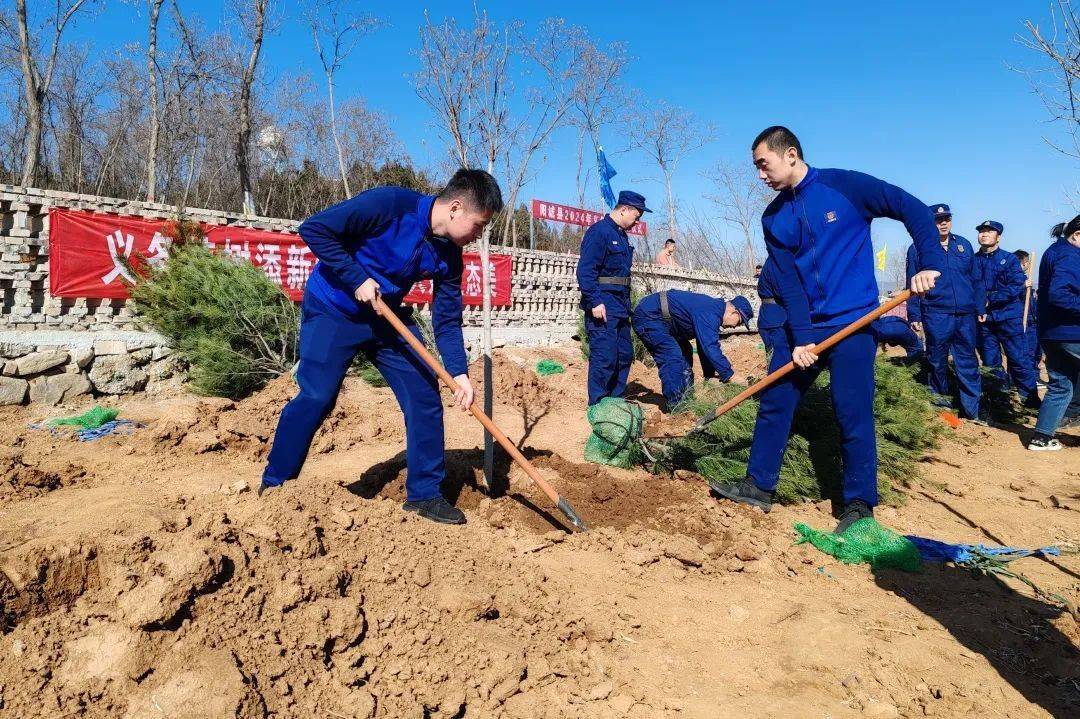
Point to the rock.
(601, 691)
(142, 356)
(38, 362)
(685, 550)
(747, 552)
(82, 357)
(13, 390)
(116, 374)
(687, 476)
(11, 350)
(738, 614)
(54, 389)
(160, 352)
(8, 368)
(422, 574)
(110, 347)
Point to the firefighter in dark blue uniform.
(950, 315)
(896, 331)
(1003, 329)
(378, 244)
(667, 321)
(772, 319)
(603, 275)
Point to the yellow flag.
(881, 255)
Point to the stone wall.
(53, 348)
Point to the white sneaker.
(1038, 444)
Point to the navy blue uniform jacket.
(385, 234)
(695, 317)
(1059, 293)
(771, 315)
(959, 290)
(819, 236)
(605, 252)
(1004, 279)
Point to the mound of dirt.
(359, 611)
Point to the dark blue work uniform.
(818, 234)
(772, 319)
(603, 274)
(949, 315)
(384, 234)
(896, 331)
(692, 317)
(1031, 337)
(1004, 328)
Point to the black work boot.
(852, 513)
(437, 510)
(745, 492)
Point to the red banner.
(87, 252)
(544, 210)
(500, 272)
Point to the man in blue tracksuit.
(1003, 329)
(896, 331)
(603, 275)
(817, 231)
(667, 321)
(378, 244)
(950, 314)
(1059, 330)
(772, 319)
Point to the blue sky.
(919, 93)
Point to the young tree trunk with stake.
(244, 122)
(152, 89)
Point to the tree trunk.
(485, 349)
(337, 140)
(34, 100)
(151, 68)
(243, 135)
(672, 228)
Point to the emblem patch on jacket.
(830, 216)
(959, 248)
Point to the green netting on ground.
(865, 542)
(547, 367)
(616, 427)
(87, 420)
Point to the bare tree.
(1060, 90)
(36, 83)
(598, 99)
(154, 8)
(253, 20)
(335, 33)
(740, 197)
(667, 134)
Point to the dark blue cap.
(941, 210)
(633, 199)
(746, 311)
(990, 225)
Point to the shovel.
(502, 439)
(777, 374)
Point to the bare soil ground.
(140, 577)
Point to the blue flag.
(606, 172)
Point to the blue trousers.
(956, 334)
(1008, 336)
(611, 352)
(674, 357)
(329, 342)
(1062, 398)
(851, 363)
(895, 331)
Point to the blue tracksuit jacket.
(385, 234)
(605, 252)
(1059, 293)
(1004, 279)
(772, 314)
(819, 236)
(959, 290)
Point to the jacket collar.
(811, 176)
(614, 224)
(423, 216)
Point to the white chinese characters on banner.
(268, 257)
(120, 246)
(158, 251)
(237, 250)
(474, 283)
(297, 267)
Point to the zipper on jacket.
(813, 251)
